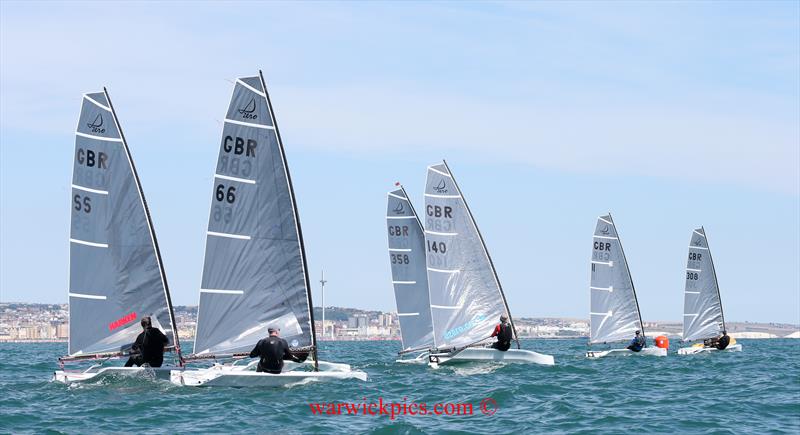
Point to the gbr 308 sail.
(116, 273)
(255, 273)
(702, 306)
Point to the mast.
(413, 210)
(633, 288)
(716, 283)
(297, 223)
(322, 282)
(485, 251)
(150, 227)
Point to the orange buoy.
(662, 341)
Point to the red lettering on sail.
(121, 321)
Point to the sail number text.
(437, 247)
(399, 258)
(397, 230)
(439, 211)
(233, 165)
(92, 159)
(222, 195)
(693, 256)
(692, 276)
(82, 203)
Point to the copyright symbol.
(488, 406)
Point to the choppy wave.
(757, 390)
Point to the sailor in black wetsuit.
(720, 342)
(638, 343)
(272, 351)
(148, 347)
(504, 334)
(723, 341)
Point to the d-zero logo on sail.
(441, 187)
(399, 209)
(97, 125)
(458, 330)
(605, 231)
(247, 111)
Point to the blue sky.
(669, 115)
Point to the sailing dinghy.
(255, 274)
(116, 273)
(466, 299)
(409, 274)
(614, 314)
(702, 305)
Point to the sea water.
(754, 391)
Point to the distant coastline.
(49, 323)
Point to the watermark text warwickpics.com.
(487, 406)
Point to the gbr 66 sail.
(254, 275)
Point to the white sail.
(116, 273)
(614, 313)
(466, 298)
(409, 274)
(702, 306)
(254, 274)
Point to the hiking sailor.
(504, 334)
(638, 343)
(148, 347)
(272, 351)
(720, 342)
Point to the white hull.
(487, 354)
(698, 349)
(648, 351)
(227, 375)
(98, 372)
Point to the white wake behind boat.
(255, 273)
(703, 317)
(116, 273)
(448, 294)
(614, 315)
(648, 351)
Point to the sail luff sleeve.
(173, 327)
(298, 227)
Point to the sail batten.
(409, 275)
(703, 317)
(117, 276)
(254, 274)
(466, 298)
(614, 312)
